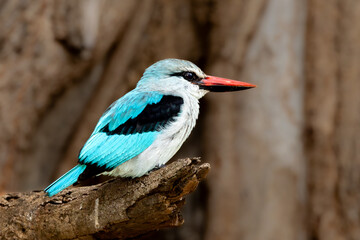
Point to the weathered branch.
(118, 208)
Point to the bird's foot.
(157, 167)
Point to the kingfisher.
(145, 128)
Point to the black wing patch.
(152, 118)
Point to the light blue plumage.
(120, 111)
(147, 126)
(66, 180)
(110, 151)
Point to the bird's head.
(178, 77)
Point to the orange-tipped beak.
(217, 84)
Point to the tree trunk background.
(285, 156)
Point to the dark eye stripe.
(187, 75)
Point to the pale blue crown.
(164, 69)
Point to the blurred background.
(285, 156)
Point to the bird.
(142, 130)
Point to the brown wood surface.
(118, 208)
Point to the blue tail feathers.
(65, 180)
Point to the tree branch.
(118, 208)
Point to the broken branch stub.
(118, 208)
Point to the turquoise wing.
(114, 140)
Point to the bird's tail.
(65, 180)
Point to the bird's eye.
(190, 76)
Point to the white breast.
(165, 145)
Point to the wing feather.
(108, 146)
(127, 107)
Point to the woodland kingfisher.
(143, 129)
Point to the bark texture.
(333, 117)
(118, 208)
(263, 168)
